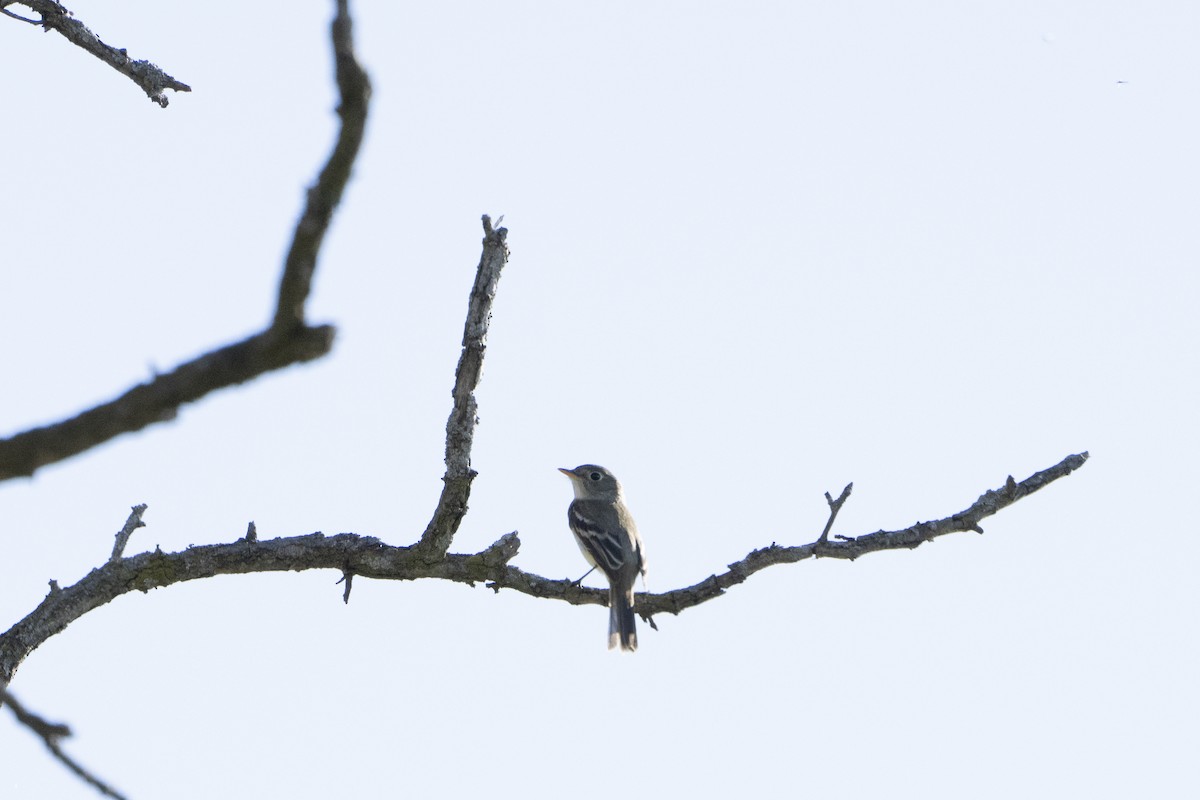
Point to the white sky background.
(758, 251)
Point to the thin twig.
(50, 733)
(460, 427)
(834, 507)
(55, 17)
(37, 724)
(7, 13)
(131, 524)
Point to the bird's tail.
(622, 622)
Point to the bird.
(608, 538)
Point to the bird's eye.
(595, 476)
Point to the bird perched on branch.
(608, 537)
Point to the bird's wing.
(603, 539)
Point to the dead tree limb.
(286, 341)
(51, 734)
(369, 557)
(460, 427)
(56, 17)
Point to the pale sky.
(759, 250)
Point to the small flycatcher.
(608, 537)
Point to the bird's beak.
(566, 472)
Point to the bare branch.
(56, 17)
(50, 733)
(7, 13)
(369, 557)
(288, 340)
(851, 548)
(460, 427)
(43, 728)
(323, 198)
(159, 399)
(834, 507)
(131, 524)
